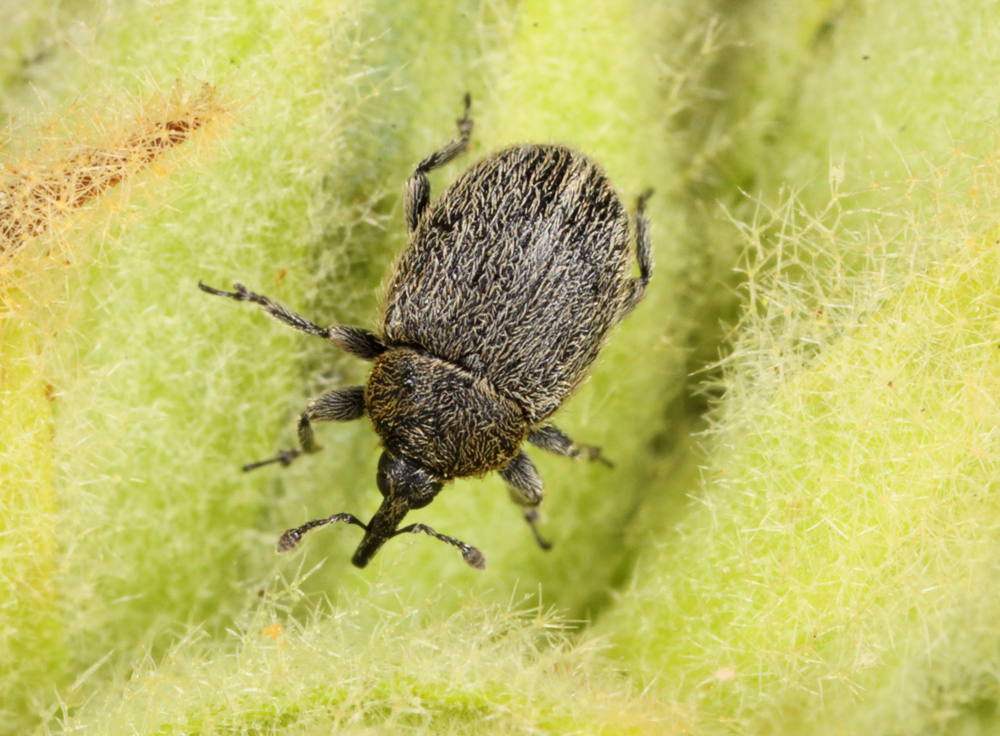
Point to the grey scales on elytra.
(492, 316)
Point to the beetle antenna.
(290, 539)
(469, 553)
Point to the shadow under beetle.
(492, 316)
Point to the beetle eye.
(383, 483)
(426, 495)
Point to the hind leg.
(643, 254)
(418, 188)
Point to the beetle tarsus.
(531, 516)
(640, 202)
(217, 292)
(465, 122)
(284, 457)
(592, 453)
(549, 437)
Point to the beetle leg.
(643, 254)
(354, 340)
(525, 486)
(550, 437)
(339, 405)
(418, 188)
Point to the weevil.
(492, 315)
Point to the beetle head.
(403, 486)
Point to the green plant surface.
(29, 608)
(827, 567)
(381, 667)
(290, 182)
(835, 575)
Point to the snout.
(370, 544)
(380, 529)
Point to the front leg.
(339, 405)
(550, 437)
(354, 340)
(418, 188)
(525, 486)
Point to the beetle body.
(492, 316)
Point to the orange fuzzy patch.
(36, 192)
